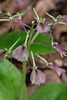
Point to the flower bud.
(37, 77)
(21, 53)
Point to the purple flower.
(19, 2)
(43, 27)
(63, 18)
(21, 53)
(37, 77)
(60, 49)
(58, 70)
(2, 54)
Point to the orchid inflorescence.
(21, 53)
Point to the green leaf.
(10, 80)
(7, 40)
(41, 48)
(50, 92)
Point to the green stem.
(4, 19)
(43, 59)
(13, 45)
(25, 43)
(23, 92)
(30, 36)
(33, 59)
(36, 14)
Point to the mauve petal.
(58, 70)
(21, 53)
(60, 49)
(33, 77)
(41, 76)
(19, 2)
(63, 18)
(37, 77)
(43, 27)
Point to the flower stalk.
(30, 36)
(23, 92)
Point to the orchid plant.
(22, 52)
